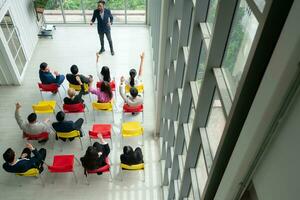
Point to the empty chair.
(44, 107)
(132, 129)
(63, 164)
(107, 107)
(136, 167)
(52, 87)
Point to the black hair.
(102, 1)
(133, 92)
(105, 87)
(90, 158)
(74, 69)
(43, 66)
(32, 117)
(60, 116)
(105, 73)
(127, 150)
(9, 155)
(132, 74)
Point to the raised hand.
(18, 105)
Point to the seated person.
(104, 74)
(74, 98)
(25, 162)
(74, 73)
(96, 155)
(32, 127)
(132, 80)
(104, 93)
(130, 157)
(134, 99)
(47, 77)
(66, 126)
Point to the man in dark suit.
(25, 162)
(105, 20)
(66, 126)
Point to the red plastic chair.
(133, 109)
(40, 136)
(52, 87)
(105, 129)
(112, 86)
(103, 169)
(75, 108)
(63, 164)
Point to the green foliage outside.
(92, 4)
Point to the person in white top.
(104, 74)
(134, 99)
(132, 81)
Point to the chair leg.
(111, 143)
(90, 96)
(113, 117)
(41, 179)
(75, 176)
(94, 116)
(143, 174)
(59, 96)
(61, 145)
(143, 117)
(110, 176)
(84, 117)
(81, 143)
(64, 88)
(42, 95)
(90, 141)
(87, 180)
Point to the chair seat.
(43, 107)
(131, 129)
(132, 167)
(30, 172)
(78, 87)
(62, 163)
(105, 168)
(70, 134)
(52, 87)
(105, 129)
(73, 108)
(130, 109)
(39, 136)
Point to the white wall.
(23, 15)
(278, 173)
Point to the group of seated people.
(95, 155)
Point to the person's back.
(130, 157)
(74, 73)
(74, 98)
(47, 77)
(104, 93)
(134, 99)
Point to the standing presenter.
(105, 20)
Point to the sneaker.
(112, 53)
(101, 51)
(99, 173)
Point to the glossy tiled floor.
(77, 45)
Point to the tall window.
(211, 15)
(241, 37)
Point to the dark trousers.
(38, 159)
(108, 36)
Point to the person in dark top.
(95, 155)
(47, 77)
(74, 73)
(66, 126)
(25, 162)
(130, 157)
(105, 20)
(74, 98)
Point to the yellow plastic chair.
(44, 107)
(140, 88)
(107, 107)
(132, 129)
(67, 135)
(78, 88)
(136, 167)
(33, 172)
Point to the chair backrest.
(111, 83)
(132, 167)
(140, 88)
(30, 172)
(104, 168)
(79, 107)
(78, 87)
(138, 108)
(130, 129)
(43, 135)
(70, 134)
(52, 87)
(102, 106)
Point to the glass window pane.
(191, 194)
(201, 171)
(73, 11)
(7, 25)
(241, 37)
(136, 11)
(215, 124)
(53, 12)
(117, 10)
(192, 114)
(211, 15)
(12, 48)
(16, 40)
(20, 61)
(260, 4)
(184, 152)
(202, 65)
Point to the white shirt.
(102, 14)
